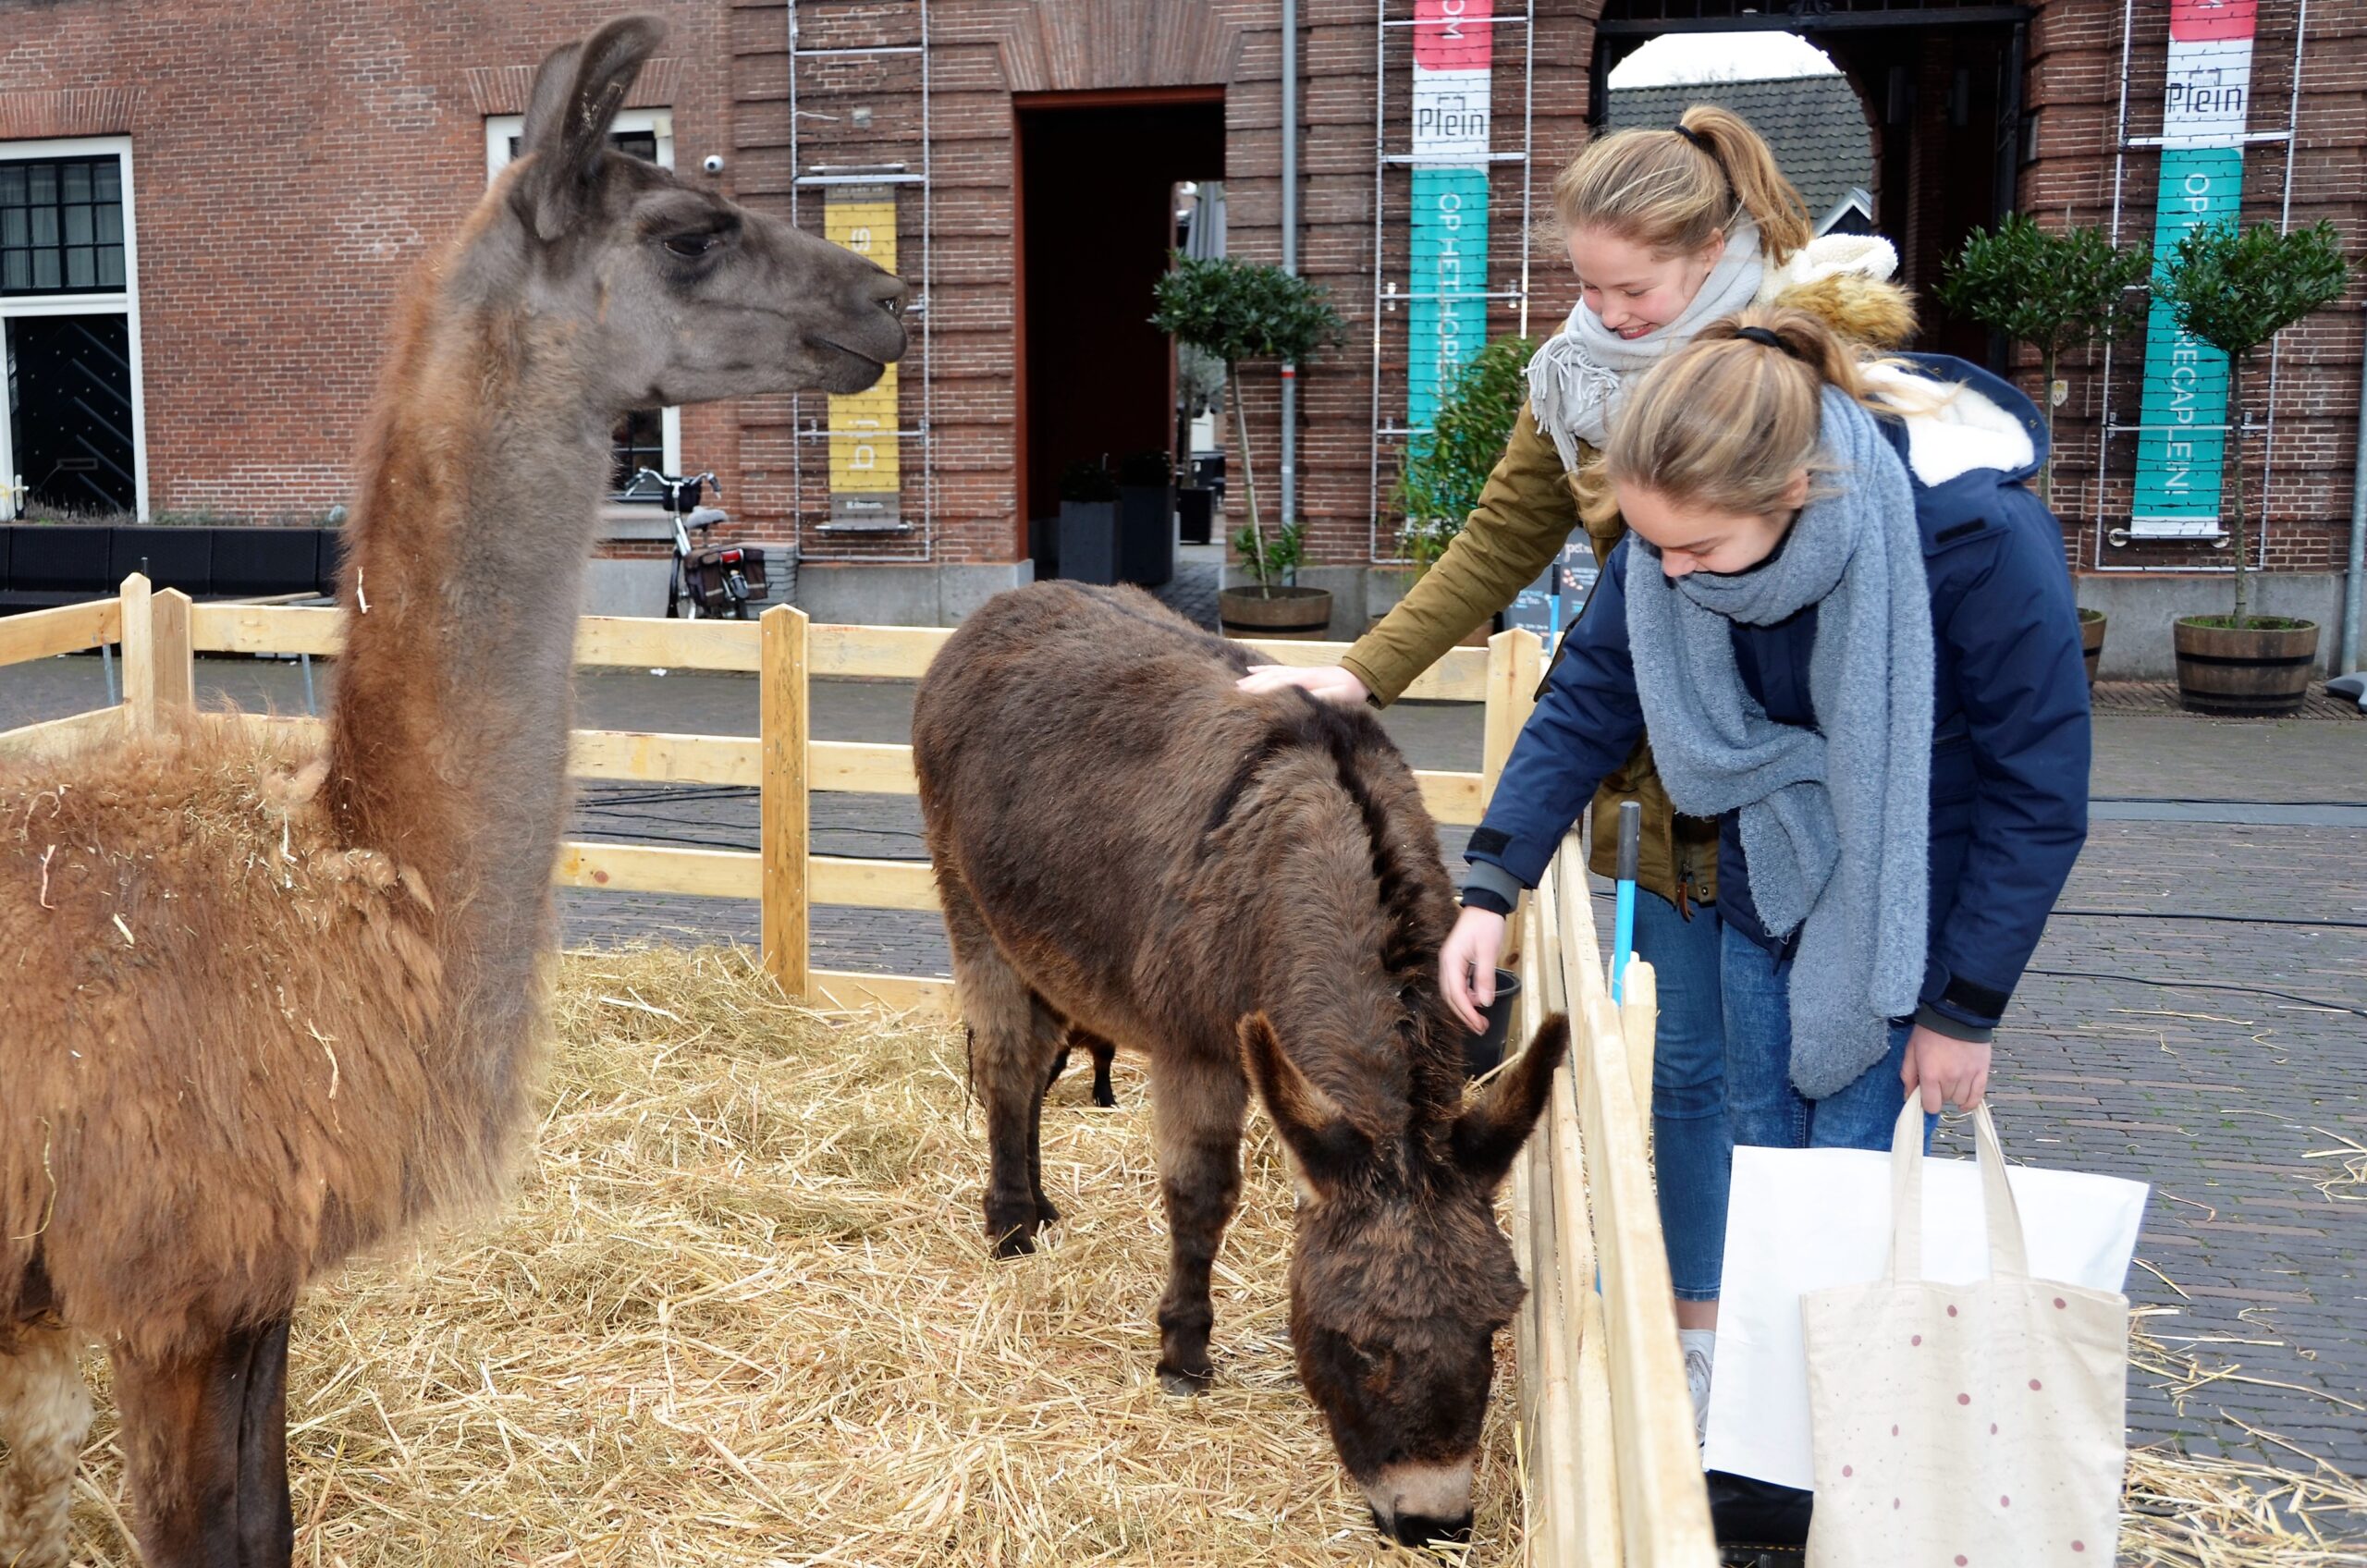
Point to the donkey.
(329, 1026)
(1245, 888)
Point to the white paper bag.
(1976, 1421)
(1808, 1220)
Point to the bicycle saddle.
(706, 517)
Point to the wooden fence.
(1612, 1470)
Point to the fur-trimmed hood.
(1844, 281)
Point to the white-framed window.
(73, 433)
(650, 437)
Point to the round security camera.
(712, 163)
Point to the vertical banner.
(865, 483)
(1447, 313)
(2180, 459)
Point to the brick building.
(275, 170)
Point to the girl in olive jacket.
(1668, 230)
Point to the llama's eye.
(690, 247)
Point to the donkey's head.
(1401, 1277)
(671, 294)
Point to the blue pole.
(1622, 930)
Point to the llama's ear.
(1492, 1128)
(1323, 1143)
(577, 94)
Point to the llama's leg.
(211, 1484)
(1013, 1039)
(267, 1523)
(44, 1413)
(1196, 1107)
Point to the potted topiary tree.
(2057, 291)
(1088, 538)
(1145, 518)
(2235, 288)
(1233, 311)
(1440, 477)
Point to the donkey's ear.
(1321, 1139)
(577, 94)
(1492, 1128)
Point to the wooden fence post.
(786, 835)
(1640, 1012)
(157, 664)
(1513, 661)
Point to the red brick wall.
(290, 164)
(2074, 85)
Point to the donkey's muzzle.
(1418, 1530)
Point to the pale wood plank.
(1451, 797)
(850, 990)
(664, 759)
(785, 824)
(139, 653)
(266, 629)
(68, 628)
(175, 667)
(1640, 1012)
(643, 868)
(851, 766)
(873, 884)
(38, 743)
(898, 653)
(639, 642)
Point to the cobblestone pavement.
(2196, 1017)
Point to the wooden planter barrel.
(2091, 641)
(1304, 614)
(2257, 672)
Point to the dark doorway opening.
(69, 411)
(1098, 173)
(1942, 82)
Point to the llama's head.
(665, 292)
(1401, 1278)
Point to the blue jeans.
(1692, 1154)
(1761, 1104)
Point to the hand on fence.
(1949, 1071)
(1329, 681)
(1467, 966)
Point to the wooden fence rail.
(1611, 1472)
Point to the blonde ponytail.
(1725, 422)
(1676, 192)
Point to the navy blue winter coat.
(2010, 738)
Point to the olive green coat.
(1524, 516)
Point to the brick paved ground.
(2127, 1051)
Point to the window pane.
(637, 442)
(635, 144)
(61, 225)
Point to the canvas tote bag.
(1979, 1424)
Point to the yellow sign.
(865, 481)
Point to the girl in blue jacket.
(1851, 632)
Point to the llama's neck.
(479, 491)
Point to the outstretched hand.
(1467, 966)
(1331, 682)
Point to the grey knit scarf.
(1575, 377)
(1836, 822)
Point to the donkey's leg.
(1196, 1107)
(1104, 1053)
(1012, 1037)
(45, 1413)
(188, 1422)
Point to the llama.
(1243, 887)
(270, 1009)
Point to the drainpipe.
(2346, 655)
(1290, 251)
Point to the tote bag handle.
(2007, 1260)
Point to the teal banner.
(2178, 455)
(1447, 316)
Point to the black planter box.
(169, 558)
(1195, 508)
(1088, 546)
(59, 563)
(266, 563)
(1145, 533)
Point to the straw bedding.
(739, 1312)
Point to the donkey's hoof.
(1104, 1097)
(1184, 1380)
(1046, 1214)
(1017, 1241)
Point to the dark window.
(61, 227)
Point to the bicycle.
(709, 580)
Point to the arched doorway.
(1941, 83)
